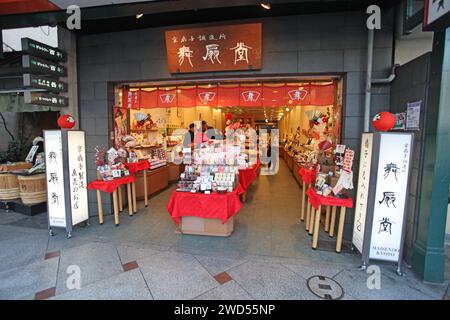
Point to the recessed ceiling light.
(266, 5)
(287, 109)
(139, 15)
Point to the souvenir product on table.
(335, 172)
(107, 166)
(214, 168)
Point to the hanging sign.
(437, 15)
(44, 83)
(390, 197)
(41, 66)
(54, 168)
(217, 48)
(45, 99)
(42, 50)
(362, 195)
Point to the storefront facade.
(295, 46)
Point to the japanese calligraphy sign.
(217, 48)
(391, 193)
(76, 148)
(437, 14)
(65, 161)
(362, 195)
(54, 168)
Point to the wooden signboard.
(217, 48)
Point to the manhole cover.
(325, 288)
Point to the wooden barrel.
(9, 187)
(33, 189)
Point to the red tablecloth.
(247, 176)
(110, 186)
(137, 166)
(308, 176)
(211, 206)
(317, 199)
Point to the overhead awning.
(15, 103)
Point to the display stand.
(143, 166)
(113, 186)
(65, 161)
(317, 202)
(307, 176)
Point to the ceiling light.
(139, 15)
(267, 121)
(266, 5)
(287, 109)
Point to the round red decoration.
(66, 121)
(383, 121)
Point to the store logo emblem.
(206, 96)
(167, 98)
(297, 94)
(251, 96)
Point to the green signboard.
(44, 83)
(45, 99)
(40, 66)
(41, 50)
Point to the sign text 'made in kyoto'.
(217, 48)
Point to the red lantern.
(66, 121)
(383, 121)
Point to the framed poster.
(413, 115)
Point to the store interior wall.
(410, 85)
(327, 43)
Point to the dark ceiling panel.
(177, 12)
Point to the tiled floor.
(268, 257)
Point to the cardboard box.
(207, 227)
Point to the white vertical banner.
(390, 196)
(77, 176)
(362, 195)
(55, 178)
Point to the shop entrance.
(152, 120)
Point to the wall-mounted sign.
(363, 190)
(437, 15)
(45, 99)
(65, 161)
(413, 115)
(390, 197)
(217, 48)
(39, 49)
(400, 121)
(54, 168)
(45, 83)
(41, 66)
(77, 176)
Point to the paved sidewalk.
(34, 266)
(268, 256)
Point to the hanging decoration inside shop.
(66, 121)
(217, 48)
(243, 95)
(384, 121)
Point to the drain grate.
(325, 288)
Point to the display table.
(111, 187)
(156, 180)
(212, 210)
(317, 201)
(135, 167)
(307, 176)
(246, 177)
